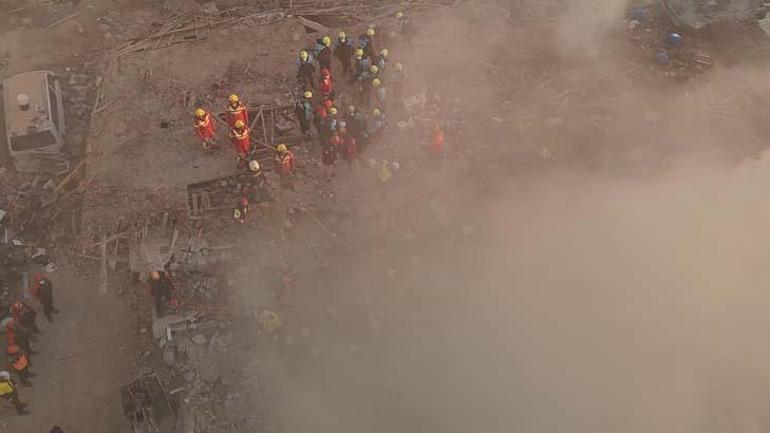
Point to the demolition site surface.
(583, 254)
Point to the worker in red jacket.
(236, 110)
(162, 291)
(18, 362)
(204, 129)
(326, 86)
(241, 140)
(43, 291)
(15, 335)
(25, 315)
(437, 144)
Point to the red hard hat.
(17, 306)
(325, 72)
(13, 350)
(244, 201)
(328, 103)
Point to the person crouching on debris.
(343, 51)
(162, 291)
(43, 291)
(236, 110)
(305, 70)
(204, 129)
(326, 85)
(240, 210)
(241, 141)
(324, 53)
(304, 113)
(25, 315)
(15, 335)
(18, 362)
(9, 393)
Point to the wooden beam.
(314, 25)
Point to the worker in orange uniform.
(236, 110)
(204, 129)
(285, 159)
(240, 210)
(437, 144)
(9, 393)
(25, 315)
(18, 362)
(241, 140)
(15, 335)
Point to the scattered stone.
(189, 376)
(199, 339)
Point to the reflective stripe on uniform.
(6, 388)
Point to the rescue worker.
(324, 53)
(361, 66)
(285, 159)
(305, 113)
(366, 43)
(320, 118)
(162, 290)
(332, 120)
(43, 291)
(204, 129)
(355, 122)
(380, 92)
(396, 79)
(382, 59)
(241, 141)
(15, 335)
(349, 144)
(305, 71)
(343, 51)
(326, 85)
(406, 29)
(378, 122)
(241, 209)
(439, 138)
(8, 392)
(18, 362)
(25, 315)
(258, 181)
(329, 151)
(236, 110)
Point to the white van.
(34, 122)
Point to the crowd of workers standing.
(21, 330)
(362, 68)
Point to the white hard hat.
(4, 375)
(254, 165)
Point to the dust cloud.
(585, 24)
(581, 302)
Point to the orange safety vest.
(19, 362)
(241, 141)
(237, 113)
(204, 127)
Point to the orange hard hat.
(13, 350)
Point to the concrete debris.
(199, 339)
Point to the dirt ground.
(373, 280)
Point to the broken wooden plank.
(70, 176)
(314, 25)
(103, 265)
(67, 18)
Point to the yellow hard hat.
(399, 14)
(374, 69)
(359, 52)
(233, 98)
(376, 82)
(308, 94)
(281, 148)
(200, 112)
(239, 124)
(303, 55)
(370, 32)
(377, 112)
(341, 35)
(399, 66)
(333, 111)
(326, 40)
(384, 52)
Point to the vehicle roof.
(37, 118)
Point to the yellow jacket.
(6, 388)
